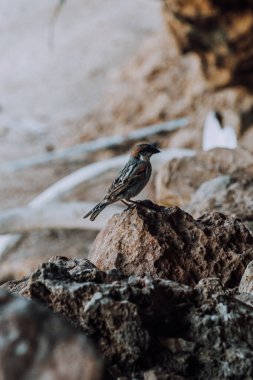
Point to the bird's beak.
(155, 150)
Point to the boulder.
(36, 344)
(230, 194)
(147, 328)
(220, 32)
(179, 178)
(168, 243)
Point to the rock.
(247, 138)
(219, 32)
(246, 286)
(168, 243)
(246, 283)
(178, 179)
(230, 194)
(147, 328)
(36, 344)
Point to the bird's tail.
(96, 210)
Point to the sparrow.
(130, 181)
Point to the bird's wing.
(132, 172)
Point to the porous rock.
(246, 283)
(178, 179)
(147, 328)
(169, 243)
(220, 32)
(246, 286)
(230, 194)
(36, 344)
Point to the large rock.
(169, 243)
(178, 179)
(146, 328)
(36, 344)
(220, 32)
(230, 194)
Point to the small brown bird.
(130, 181)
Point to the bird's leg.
(138, 203)
(129, 205)
(134, 202)
(125, 202)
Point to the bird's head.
(144, 151)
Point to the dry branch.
(54, 216)
(81, 150)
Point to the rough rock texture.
(220, 32)
(178, 179)
(146, 328)
(231, 194)
(246, 286)
(246, 283)
(36, 344)
(169, 243)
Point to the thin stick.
(81, 150)
(54, 216)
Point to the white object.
(217, 136)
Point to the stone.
(36, 344)
(168, 243)
(246, 283)
(219, 32)
(230, 194)
(177, 180)
(148, 328)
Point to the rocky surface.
(246, 283)
(36, 344)
(246, 286)
(178, 179)
(168, 243)
(147, 328)
(219, 32)
(230, 194)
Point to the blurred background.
(73, 72)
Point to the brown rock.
(35, 344)
(219, 32)
(178, 179)
(231, 194)
(146, 328)
(169, 243)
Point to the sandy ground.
(50, 77)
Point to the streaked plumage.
(130, 181)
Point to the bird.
(130, 181)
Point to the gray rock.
(146, 328)
(231, 194)
(36, 344)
